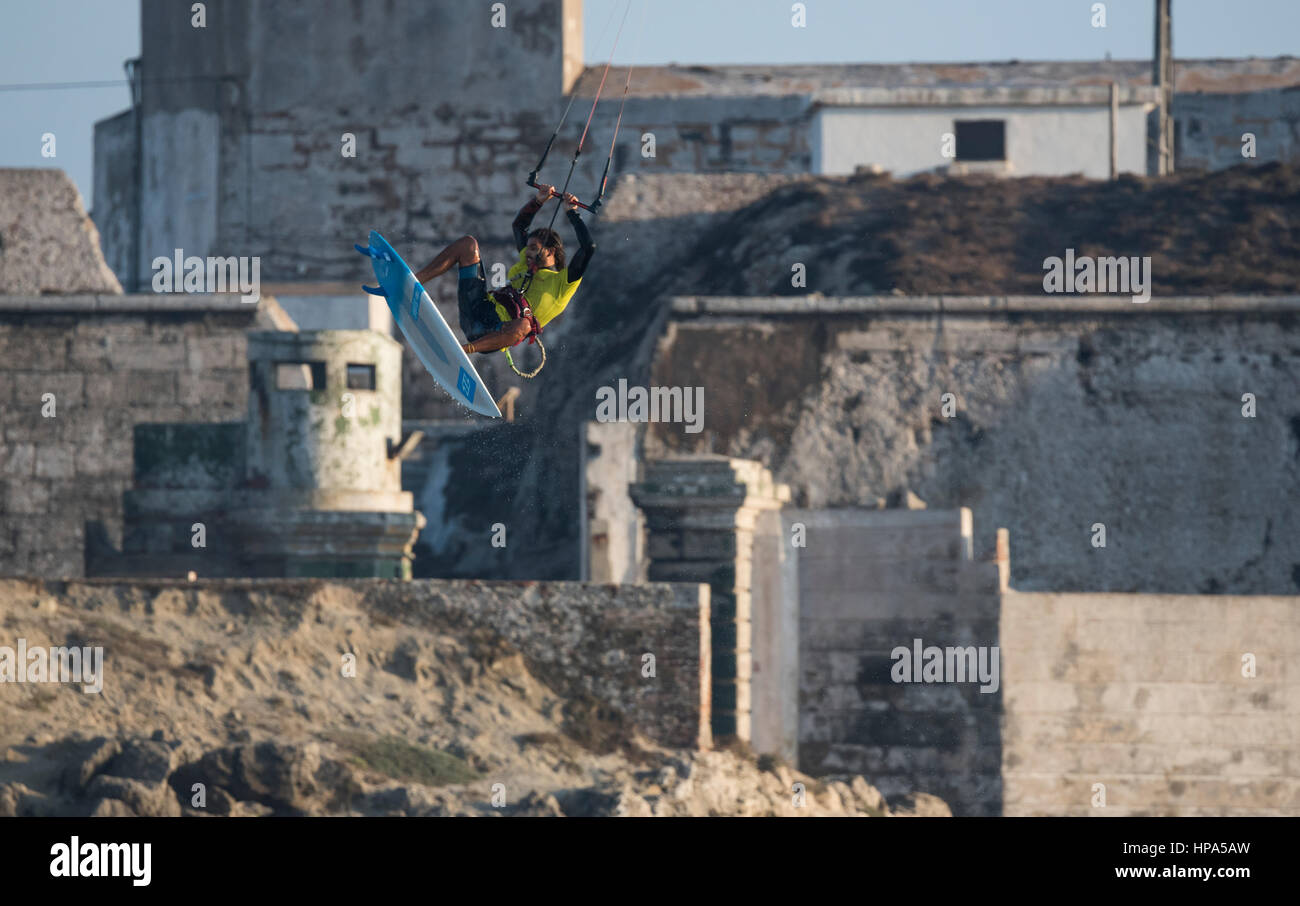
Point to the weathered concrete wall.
(47, 243)
(871, 581)
(699, 135)
(1208, 128)
(179, 187)
(774, 679)
(114, 201)
(1067, 413)
(110, 363)
(615, 529)
(1146, 695)
(244, 130)
(592, 639)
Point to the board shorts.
(478, 314)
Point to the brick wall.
(110, 362)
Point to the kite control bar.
(600, 194)
(533, 183)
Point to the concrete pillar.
(612, 539)
(701, 513)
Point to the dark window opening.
(300, 375)
(361, 377)
(981, 140)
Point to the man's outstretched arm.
(586, 248)
(526, 214)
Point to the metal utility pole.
(1114, 130)
(1164, 81)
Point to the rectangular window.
(981, 139)
(300, 375)
(361, 377)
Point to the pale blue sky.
(45, 41)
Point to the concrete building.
(1021, 132)
(308, 485)
(286, 131)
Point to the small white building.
(1018, 131)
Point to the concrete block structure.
(871, 582)
(1080, 704)
(78, 373)
(700, 514)
(308, 485)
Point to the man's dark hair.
(550, 240)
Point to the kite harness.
(513, 301)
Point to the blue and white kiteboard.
(425, 328)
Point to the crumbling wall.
(588, 639)
(1063, 416)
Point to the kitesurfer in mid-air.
(540, 280)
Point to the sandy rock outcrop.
(229, 702)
